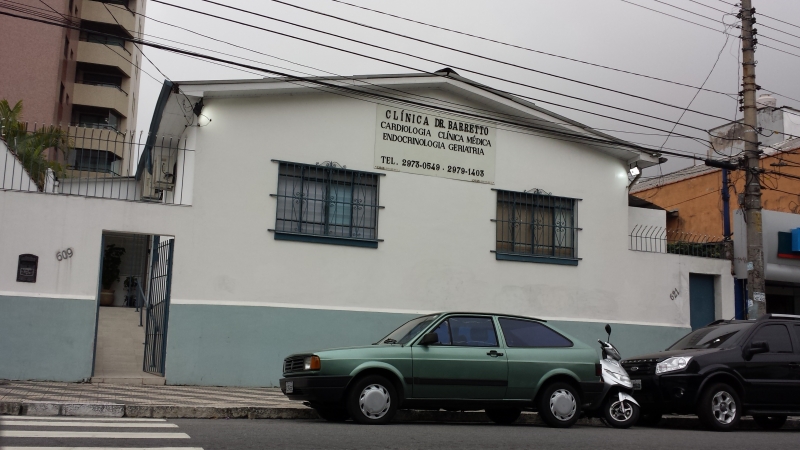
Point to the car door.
(769, 376)
(533, 349)
(467, 363)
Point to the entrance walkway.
(120, 348)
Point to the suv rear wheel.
(719, 408)
(372, 400)
(560, 405)
(769, 422)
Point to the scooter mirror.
(608, 329)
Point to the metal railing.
(653, 239)
(97, 163)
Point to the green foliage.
(112, 259)
(31, 147)
(707, 250)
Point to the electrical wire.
(528, 49)
(768, 17)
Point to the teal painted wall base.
(48, 339)
(245, 345)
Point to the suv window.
(777, 336)
(712, 337)
(472, 331)
(526, 333)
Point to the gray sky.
(608, 32)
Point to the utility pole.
(756, 300)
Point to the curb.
(257, 412)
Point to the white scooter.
(618, 408)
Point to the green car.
(457, 361)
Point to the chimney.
(765, 100)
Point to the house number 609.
(64, 254)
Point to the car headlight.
(620, 377)
(312, 363)
(673, 364)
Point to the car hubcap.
(723, 407)
(562, 404)
(374, 401)
(621, 411)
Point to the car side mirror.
(755, 348)
(429, 338)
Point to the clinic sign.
(434, 144)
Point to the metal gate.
(155, 343)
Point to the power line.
(760, 24)
(431, 60)
(320, 82)
(528, 49)
(768, 17)
(440, 75)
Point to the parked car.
(457, 361)
(723, 371)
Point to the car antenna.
(608, 330)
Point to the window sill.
(283, 236)
(536, 259)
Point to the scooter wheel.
(620, 413)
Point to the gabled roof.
(499, 105)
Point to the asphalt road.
(310, 434)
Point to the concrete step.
(128, 379)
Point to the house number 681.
(674, 294)
(64, 254)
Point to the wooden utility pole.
(756, 300)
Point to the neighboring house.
(308, 219)
(81, 79)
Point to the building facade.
(297, 218)
(87, 79)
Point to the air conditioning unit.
(163, 177)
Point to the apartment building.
(86, 79)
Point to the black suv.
(722, 371)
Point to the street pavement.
(61, 433)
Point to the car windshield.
(711, 337)
(408, 330)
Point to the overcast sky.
(608, 32)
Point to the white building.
(429, 209)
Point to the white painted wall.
(437, 232)
(14, 175)
(646, 217)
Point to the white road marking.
(95, 419)
(90, 434)
(42, 423)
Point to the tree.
(31, 146)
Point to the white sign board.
(434, 144)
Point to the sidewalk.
(208, 402)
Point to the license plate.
(289, 387)
(637, 385)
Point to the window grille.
(327, 201)
(536, 227)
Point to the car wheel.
(560, 405)
(649, 419)
(503, 416)
(333, 414)
(769, 422)
(620, 413)
(372, 400)
(719, 408)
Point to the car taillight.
(598, 369)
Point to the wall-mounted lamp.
(634, 170)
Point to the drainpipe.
(726, 207)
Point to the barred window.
(536, 227)
(327, 204)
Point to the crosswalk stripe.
(90, 434)
(101, 448)
(95, 419)
(42, 423)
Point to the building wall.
(242, 300)
(698, 200)
(35, 63)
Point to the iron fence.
(645, 238)
(94, 162)
(536, 224)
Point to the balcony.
(96, 12)
(101, 97)
(111, 55)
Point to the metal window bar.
(91, 162)
(327, 200)
(653, 239)
(157, 309)
(536, 224)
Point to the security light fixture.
(634, 171)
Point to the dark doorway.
(701, 300)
